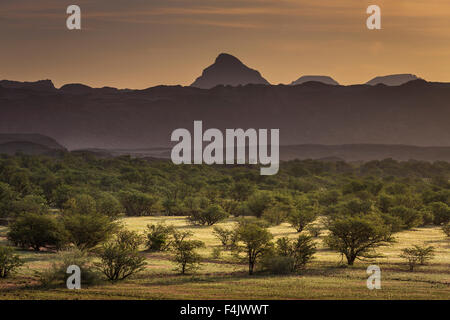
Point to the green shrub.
(446, 229)
(277, 213)
(56, 275)
(129, 239)
(186, 256)
(158, 237)
(258, 202)
(275, 264)
(81, 204)
(108, 205)
(209, 216)
(216, 253)
(86, 231)
(256, 239)
(314, 230)
(137, 203)
(7, 199)
(31, 230)
(119, 259)
(410, 217)
(304, 213)
(441, 213)
(227, 238)
(9, 262)
(31, 203)
(417, 255)
(300, 250)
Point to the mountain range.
(78, 116)
(415, 113)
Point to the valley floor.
(224, 278)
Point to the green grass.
(325, 277)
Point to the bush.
(9, 262)
(256, 239)
(86, 231)
(258, 202)
(185, 255)
(158, 237)
(80, 204)
(108, 205)
(410, 217)
(129, 239)
(7, 199)
(216, 253)
(300, 250)
(276, 264)
(208, 216)
(227, 238)
(304, 213)
(120, 259)
(30, 203)
(417, 255)
(35, 231)
(277, 213)
(446, 229)
(314, 230)
(57, 274)
(137, 203)
(441, 212)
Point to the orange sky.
(142, 43)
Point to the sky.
(143, 43)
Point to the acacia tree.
(304, 213)
(88, 230)
(300, 250)
(185, 255)
(120, 258)
(9, 261)
(32, 230)
(256, 239)
(358, 236)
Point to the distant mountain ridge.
(28, 144)
(322, 79)
(228, 70)
(415, 113)
(32, 138)
(393, 79)
(348, 152)
(43, 85)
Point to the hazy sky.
(142, 43)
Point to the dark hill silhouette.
(41, 85)
(38, 139)
(322, 79)
(415, 113)
(32, 144)
(25, 147)
(76, 88)
(228, 70)
(393, 80)
(348, 152)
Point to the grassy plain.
(227, 278)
